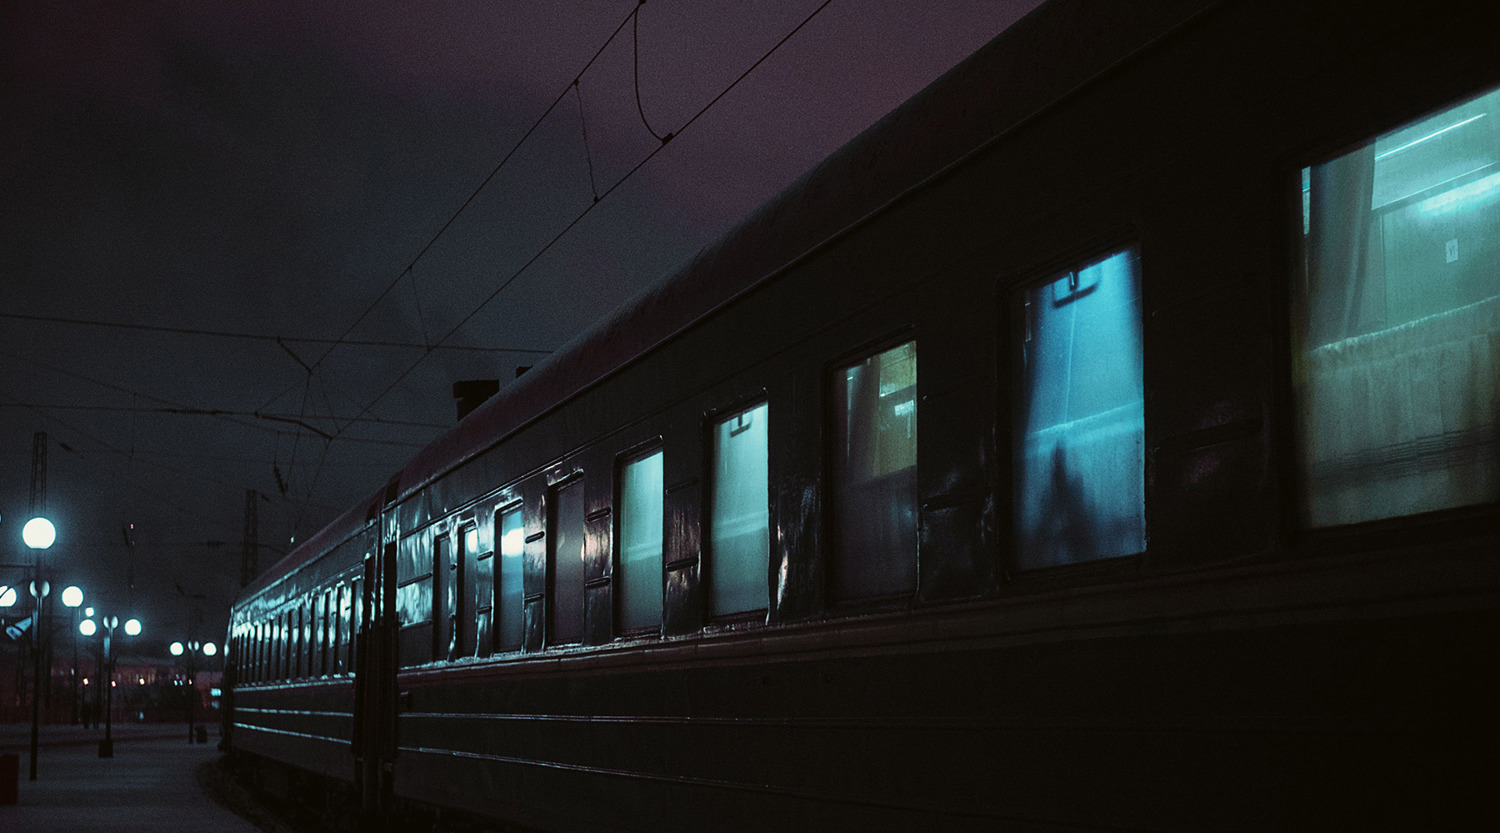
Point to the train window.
(565, 534)
(1079, 428)
(484, 597)
(874, 467)
(470, 596)
(739, 528)
(1397, 321)
(414, 600)
(329, 623)
(356, 606)
(445, 597)
(339, 621)
(309, 647)
(510, 536)
(640, 579)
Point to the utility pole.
(248, 555)
(38, 589)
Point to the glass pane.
(640, 543)
(1398, 321)
(414, 602)
(1080, 433)
(468, 576)
(484, 600)
(875, 476)
(739, 543)
(565, 613)
(512, 543)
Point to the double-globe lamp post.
(72, 597)
(192, 649)
(106, 627)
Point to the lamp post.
(106, 626)
(192, 648)
(38, 533)
(73, 597)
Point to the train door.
(375, 663)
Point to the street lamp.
(192, 648)
(38, 533)
(106, 627)
(73, 597)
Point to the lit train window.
(341, 636)
(565, 536)
(874, 467)
(445, 597)
(1397, 321)
(1079, 435)
(739, 529)
(481, 581)
(414, 599)
(511, 543)
(641, 520)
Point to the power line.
(211, 412)
(574, 222)
(191, 331)
(171, 406)
(480, 187)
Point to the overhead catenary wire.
(199, 331)
(477, 189)
(589, 208)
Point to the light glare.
(87, 627)
(72, 596)
(132, 627)
(7, 596)
(209, 649)
(176, 649)
(38, 533)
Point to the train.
(1103, 439)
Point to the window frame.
(623, 460)
(708, 431)
(1009, 417)
(1429, 528)
(832, 370)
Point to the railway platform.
(151, 783)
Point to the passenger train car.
(1106, 438)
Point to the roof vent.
(470, 393)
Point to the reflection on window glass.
(1080, 418)
(640, 581)
(511, 543)
(1398, 320)
(463, 590)
(739, 528)
(565, 610)
(875, 476)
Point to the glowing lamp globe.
(132, 627)
(175, 648)
(38, 533)
(87, 627)
(7, 596)
(72, 597)
(209, 649)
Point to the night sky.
(271, 169)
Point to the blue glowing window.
(565, 534)
(640, 581)
(739, 524)
(1397, 321)
(511, 544)
(1080, 416)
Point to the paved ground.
(151, 784)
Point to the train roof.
(1050, 53)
